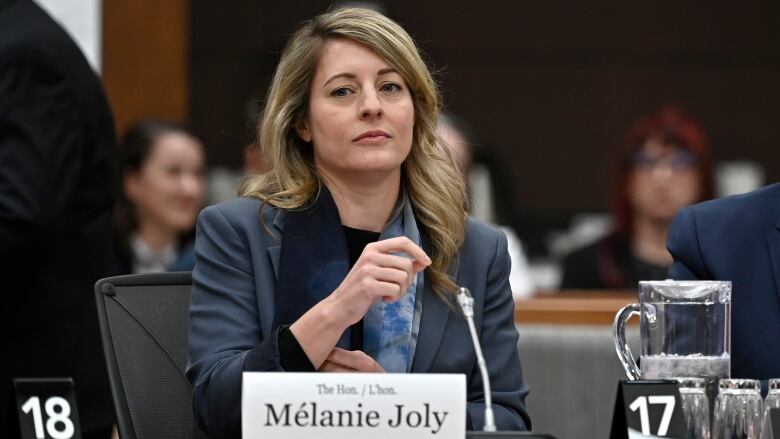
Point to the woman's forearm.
(318, 331)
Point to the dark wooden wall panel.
(146, 59)
(549, 89)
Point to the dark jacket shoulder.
(249, 217)
(743, 211)
(478, 232)
(705, 238)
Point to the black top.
(357, 240)
(608, 263)
(291, 354)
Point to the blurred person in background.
(162, 168)
(57, 194)
(453, 134)
(665, 166)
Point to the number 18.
(55, 416)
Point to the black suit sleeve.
(39, 151)
(292, 357)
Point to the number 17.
(641, 404)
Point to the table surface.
(574, 307)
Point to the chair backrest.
(144, 322)
(573, 373)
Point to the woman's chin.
(371, 168)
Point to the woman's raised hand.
(379, 273)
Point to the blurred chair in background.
(665, 166)
(162, 169)
(454, 136)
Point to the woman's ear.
(302, 128)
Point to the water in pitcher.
(669, 366)
(685, 339)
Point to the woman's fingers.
(402, 244)
(418, 267)
(329, 366)
(388, 291)
(401, 278)
(341, 360)
(392, 261)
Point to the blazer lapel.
(313, 259)
(275, 252)
(774, 253)
(433, 320)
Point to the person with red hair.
(665, 167)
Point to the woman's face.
(361, 114)
(663, 180)
(168, 189)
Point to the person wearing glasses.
(665, 166)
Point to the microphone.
(466, 303)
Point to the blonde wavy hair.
(430, 177)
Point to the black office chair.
(143, 322)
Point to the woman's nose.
(370, 105)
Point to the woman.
(358, 225)
(666, 166)
(162, 167)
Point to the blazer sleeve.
(499, 347)
(225, 336)
(683, 243)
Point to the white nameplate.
(353, 405)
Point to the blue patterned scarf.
(389, 332)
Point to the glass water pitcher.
(685, 330)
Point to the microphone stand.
(467, 305)
(466, 302)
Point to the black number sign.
(47, 408)
(648, 409)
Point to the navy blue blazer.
(232, 314)
(738, 239)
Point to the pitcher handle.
(621, 347)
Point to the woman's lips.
(372, 138)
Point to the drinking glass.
(696, 407)
(738, 410)
(772, 401)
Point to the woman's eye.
(390, 87)
(340, 92)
